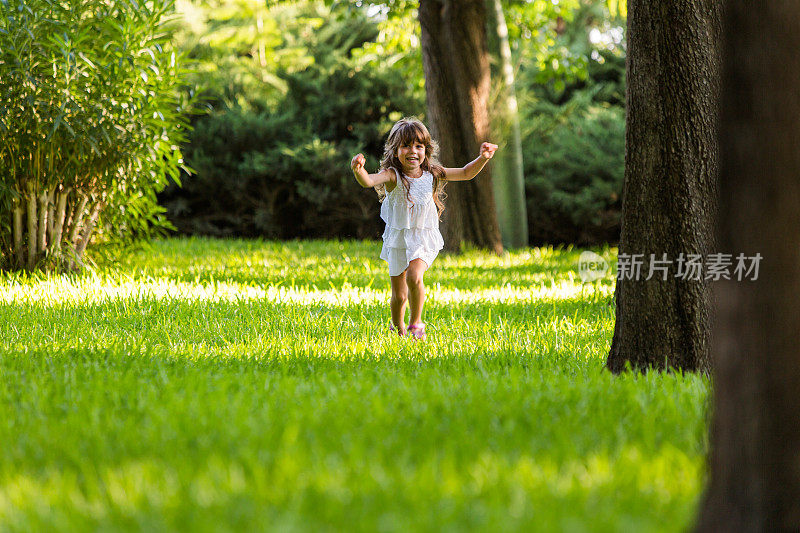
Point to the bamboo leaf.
(86, 59)
(57, 121)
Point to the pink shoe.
(417, 331)
(392, 328)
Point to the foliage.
(236, 47)
(574, 156)
(576, 162)
(229, 385)
(91, 123)
(293, 96)
(556, 42)
(281, 169)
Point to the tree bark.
(509, 178)
(41, 236)
(51, 213)
(670, 190)
(456, 63)
(17, 210)
(76, 217)
(755, 438)
(87, 230)
(60, 215)
(32, 220)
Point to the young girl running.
(410, 186)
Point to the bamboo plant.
(91, 119)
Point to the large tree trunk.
(669, 195)
(456, 64)
(755, 441)
(509, 179)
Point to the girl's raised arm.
(471, 169)
(365, 179)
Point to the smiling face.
(411, 157)
(409, 148)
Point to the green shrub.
(283, 172)
(574, 157)
(574, 172)
(272, 157)
(90, 119)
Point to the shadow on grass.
(153, 438)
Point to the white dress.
(412, 228)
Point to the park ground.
(249, 385)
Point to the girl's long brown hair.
(405, 132)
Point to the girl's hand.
(487, 150)
(358, 162)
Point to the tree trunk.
(75, 218)
(51, 213)
(509, 178)
(60, 215)
(41, 239)
(456, 64)
(87, 231)
(17, 210)
(32, 221)
(755, 439)
(669, 195)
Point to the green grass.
(229, 386)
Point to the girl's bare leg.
(416, 288)
(399, 301)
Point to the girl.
(410, 185)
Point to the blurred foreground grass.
(243, 385)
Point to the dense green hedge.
(275, 163)
(574, 157)
(281, 170)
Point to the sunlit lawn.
(230, 385)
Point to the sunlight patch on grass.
(65, 290)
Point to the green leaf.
(86, 59)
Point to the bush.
(574, 174)
(574, 157)
(91, 118)
(272, 157)
(284, 172)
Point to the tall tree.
(509, 180)
(457, 82)
(755, 442)
(669, 195)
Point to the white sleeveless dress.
(412, 228)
